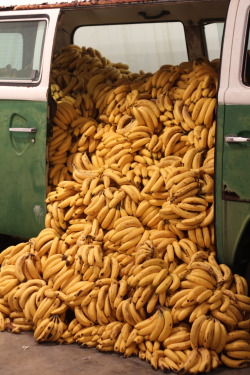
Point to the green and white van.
(144, 34)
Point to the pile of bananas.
(127, 261)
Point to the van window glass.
(7, 57)
(141, 46)
(246, 60)
(21, 44)
(213, 37)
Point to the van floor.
(21, 355)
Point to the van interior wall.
(63, 35)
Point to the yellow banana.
(234, 363)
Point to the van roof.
(39, 4)
(28, 4)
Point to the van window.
(141, 46)
(21, 44)
(213, 37)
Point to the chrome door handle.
(23, 130)
(234, 139)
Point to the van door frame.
(24, 172)
(232, 92)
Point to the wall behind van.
(145, 46)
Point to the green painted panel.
(218, 182)
(236, 156)
(232, 180)
(22, 168)
(235, 216)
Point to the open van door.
(26, 43)
(233, 141)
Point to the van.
(145, 35)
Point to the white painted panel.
(237, 92)
(40, 91)
(227, 50)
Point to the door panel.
(236, 156)
(23, 168)
(232, 195)
(235, 184)
(24, 84)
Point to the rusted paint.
(78, 3)
(228, 195)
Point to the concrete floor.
(21, 355)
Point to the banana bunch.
(7, 283)
(112, 102)
(67, 55)
(68, 336)
(183, 250)
(19, 299)
(144, 251)
(85, 102)
(89, 336)
(126, 341)
(90, 312)
(180, 334)
(162, 80)
(182, 183)
(15, 321)
(174, 353)
(164, 104)
(195, 301)
(154, 184)
(140, 274)
(187, 210)
(49, 329)
(46, 304)
(70, 61)
(65, 114)
(203, 237)
(85, 129)
(126, 234)
(61, 143)
(28, 267)
(147, 113)
(209, 333)
(236, 350)
(157, 327)
(97, 306)
(200, 360)
(200, 80)
(71, 134)
(101, 337)
(173, 139)
(145, 296)
(42, 244)
(114, 148)
(89, 261)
